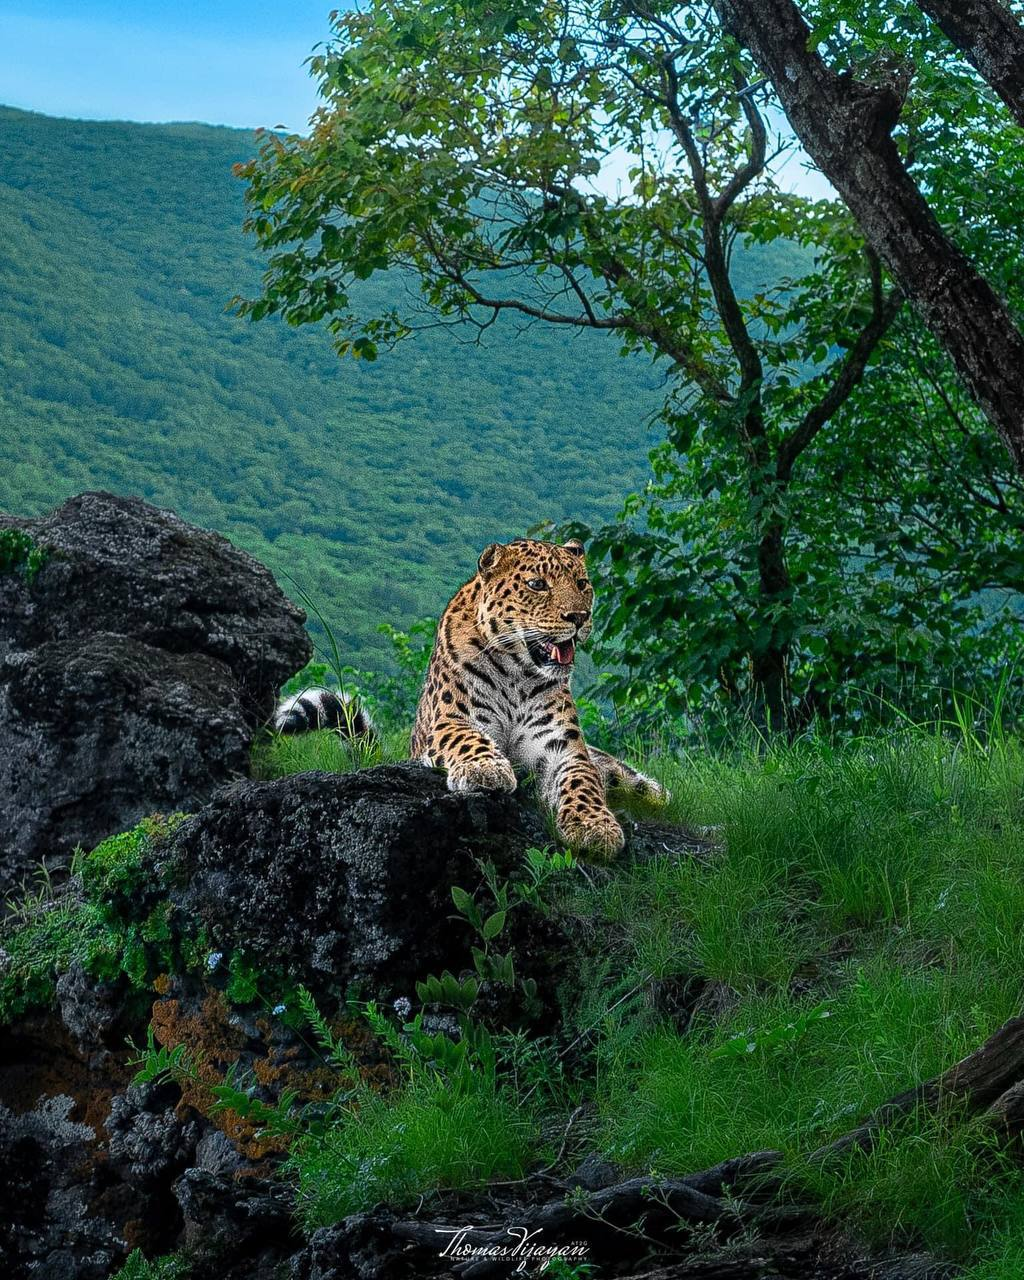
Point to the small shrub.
(117, 925)
(138, 1267)
(19, 553)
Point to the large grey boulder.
(135, 665)
(120, 565)
(342, 881)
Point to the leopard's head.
(537, 596)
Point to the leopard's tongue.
(564, 653)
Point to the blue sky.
(237, 62)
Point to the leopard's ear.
(573, 545)
(490, 558)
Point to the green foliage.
(855, 927)
(461, 1115)
(394, 696)
(372, 487)
(314, 675)
(35, 950)
(156, 1063)
(543, 870)
(117, 926)
(169, 1267)
(114, 875)
(19, 553)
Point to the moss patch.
(111, 918)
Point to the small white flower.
(278, 1008)
(214, 959)
(402, 1006)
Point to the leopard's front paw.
(651, 790)
(484, 773)
(632, 782)
(597, 834)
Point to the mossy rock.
(111, 918)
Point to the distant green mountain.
(372, 486)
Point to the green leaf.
(493, 925)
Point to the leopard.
(497, 699)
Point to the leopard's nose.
(577, 619)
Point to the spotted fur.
(497, 694)
(321, 708)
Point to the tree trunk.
(846, 126)
(769, 664)
(990, 38)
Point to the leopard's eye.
(537, 584)
(583, 584)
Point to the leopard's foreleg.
(473, 761)
(620, 776)
(571, 784)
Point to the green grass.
(424, 1136)
(878, 882)
(856, 926)
(278, 755)
(111, 918)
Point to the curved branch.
(850, 373)
(651, 328)
(714, 211)
(754, 166)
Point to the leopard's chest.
(514, 709)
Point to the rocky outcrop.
(330, 881)
(136, 660)
(49, 1226)
(345, 880)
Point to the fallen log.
(988, 1080)
(643, 1207)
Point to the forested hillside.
(373, 486)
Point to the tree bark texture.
(846, 127)
(990, 38)
(987, 1081)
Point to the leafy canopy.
(607, 166)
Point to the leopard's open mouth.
(553, 653)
